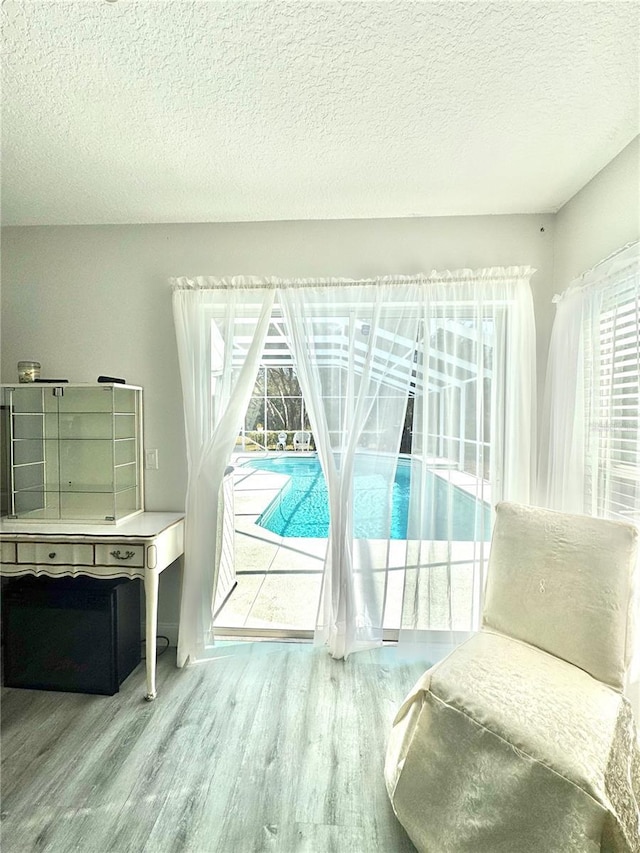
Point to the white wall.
(94, 299)
(601, 218)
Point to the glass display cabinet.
(72, 452)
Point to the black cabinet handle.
(126, 556)
(52, 555)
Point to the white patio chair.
(301, 440)
(282, 441)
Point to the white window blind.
(612, 371)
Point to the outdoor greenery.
(276, 404)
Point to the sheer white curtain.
(212, 327)
(354, 348)
(473, 445)
(590, 443)
(459, 347)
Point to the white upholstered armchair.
(521, 741)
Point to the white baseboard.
(165, 629)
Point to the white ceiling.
(203, 111)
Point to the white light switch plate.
(151, 460)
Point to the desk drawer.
(7, 552)
(55, 554)
(120, 554)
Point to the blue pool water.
(301, 508)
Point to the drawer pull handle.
(52, 554)
(126, 556)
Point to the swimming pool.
(301, 507)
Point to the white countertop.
(143, 525)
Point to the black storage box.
(72, 634)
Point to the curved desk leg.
(151, 626)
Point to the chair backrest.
(564, 583)
(302, 438)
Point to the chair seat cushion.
(504, 747)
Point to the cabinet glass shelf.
(71, 452)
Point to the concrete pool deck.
(279, 578)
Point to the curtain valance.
(461, 276)
(611, 270)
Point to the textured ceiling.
(202, 111)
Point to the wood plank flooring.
(272, 747)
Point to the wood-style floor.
(271, 747)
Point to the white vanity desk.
(139, 547)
